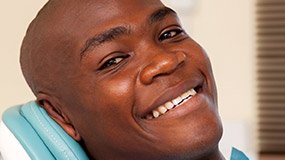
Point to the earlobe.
(54, 110)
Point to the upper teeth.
(171, 104)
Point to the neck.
(215, 155)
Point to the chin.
(194, 141)
(192, 136)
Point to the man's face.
(129, 61)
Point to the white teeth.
(177, 100)
(162, 109)
(155, 113)
(192, 92)
(171, 104)
(185, 95)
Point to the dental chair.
(28, 133)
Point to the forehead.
(66, 25)
(74, 15)
(78, 19)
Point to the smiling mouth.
(172, 104)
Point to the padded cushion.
(40, 136)
(9, 145)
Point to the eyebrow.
(116, 32)
(104, 37)
(160, 14)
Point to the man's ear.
(54, 110)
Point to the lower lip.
(185, 108)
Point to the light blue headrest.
(41, 137)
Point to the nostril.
(147, 74)
(160, 75)
(181, 57)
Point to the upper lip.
(172, 93)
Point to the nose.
(161, 64)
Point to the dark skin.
(99, 68)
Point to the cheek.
(201, 59)
(116, 96)
(206, 68)
(119, 89)
(106, 111)
(110, 96)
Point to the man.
(123, 78)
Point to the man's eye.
(111, 62)
(170, 34)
